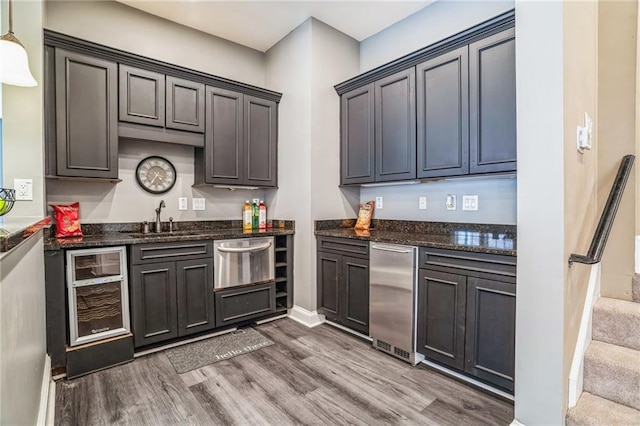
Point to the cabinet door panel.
(443, 115)
(260, 134)
(354, 294)
(441, 317)
(492, 72)
(395, 121)
(490, 345)
(185, 105)
(154, 303)
(224, 143)
(86, 116)
(329, 265)
(240, 304)
(196, 300)
(141, 96)
(357, 145)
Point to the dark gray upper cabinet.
(86, 116)
(492, 75)
(355, 289)
(185, 105)
(441, 316)
(491, 333)
(154, 309)
(443, 115)
(357, 144)
(142, 96)
(260, 138)
(196, 301)
(395, 127)
(240, 140)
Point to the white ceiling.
(261, 24)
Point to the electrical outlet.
(182, 203)
(422, 203)
(451, 202)
(470, 202)
(199, 204)
(378, 203)
(24, 189)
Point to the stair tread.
(613, 372)
(594, 410)
(617, 322)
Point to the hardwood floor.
(318, 376)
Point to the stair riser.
(616, 383)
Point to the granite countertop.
(103, 235)
(479, 238)
(14, 230)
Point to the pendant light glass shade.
(14, 64)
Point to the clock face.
(156, 174)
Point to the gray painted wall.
(496, 200)
(117, 25)
(539, 382)
(128, 202)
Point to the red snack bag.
(67, 220)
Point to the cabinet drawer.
(244, 303)
(343, 245)
(471, 263)
(167, 252)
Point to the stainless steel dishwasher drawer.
(243, 261)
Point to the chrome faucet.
(158, 210)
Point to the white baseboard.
(516, 423)
(584, 337)
(305, 317)
(44, 392)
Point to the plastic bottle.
(247, 214)
(255, 214)
(262, 220)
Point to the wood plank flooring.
(318, 376)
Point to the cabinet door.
(443, 115)
(329, 269)
(244, 303)
(260, 135)
(185, 105)
(141, 96)
(354, 294)
(491, 319)
(86, 116)
(196, 302)
(441, 317)
(155, 316)
(395, 122)
(357, 145)
(224, 143)
(492, 76)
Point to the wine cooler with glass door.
(98, 294)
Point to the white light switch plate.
(198, 204)
(182, 203)
(470, 202)
(378, 203)
(422, 203)
(24, 189)
(451, 202)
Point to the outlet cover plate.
(24, 189)
(378, 203)
(470, 202)
(199, 204)
(422, 203)
(182, 203)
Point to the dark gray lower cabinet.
(244, 303)
(467, 313)
(491, 333)
(195, 296)
(441, 316)
(343, 283)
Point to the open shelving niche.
(284, 272)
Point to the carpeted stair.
(611, 367)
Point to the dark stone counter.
(479, 238)
(116, 234)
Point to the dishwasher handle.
(394, 250)
(244, 249)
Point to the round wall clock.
(156, 174)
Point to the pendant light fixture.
(14, 64)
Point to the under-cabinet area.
(153, 290)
